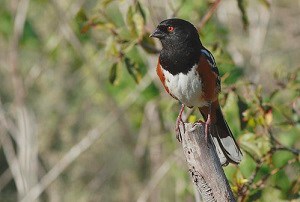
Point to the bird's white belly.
(187, 88)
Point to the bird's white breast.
(186, 87)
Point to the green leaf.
(81, 16)
(148, 44)
(141, 10)
(231, 112)
(242, 109)
(136, 20)
(106, 2)
(130, 21)
(113, 73)
(272, 194)
(255, 196)
(139, 24)
(255, 145)
(241, 5)
(111, 47)
(266, 3)
(248, 143)
(128, 47)
(133, 69)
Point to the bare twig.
(261, 182)
(279, 146)
(27, 149)
(83, 145)
(71, 155)
(208, 14)
(8, 124)
(5, 178)
(12, 160)
(156, 178)
(176, 10)
(258, 35)
(245, 189)
(23, 160)
(285, 148)
(19, 22)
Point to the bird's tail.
(226, 146)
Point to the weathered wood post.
(204, 165)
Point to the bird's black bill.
(157, 34)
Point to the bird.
(189, 73)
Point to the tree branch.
(204, 165)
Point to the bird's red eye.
(170, 29)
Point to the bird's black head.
(175, 33)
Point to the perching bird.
(189, 74)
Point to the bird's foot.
(207, 127)
(178, 122)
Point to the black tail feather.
(226, 146)
(226, 139)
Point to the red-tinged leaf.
(93, 23)
(85, 28)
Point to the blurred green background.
(83, 116)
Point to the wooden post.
(204, 165)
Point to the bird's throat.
(178, 59)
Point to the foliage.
(83, 115)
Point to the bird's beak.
(157, 34)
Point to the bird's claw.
(178, 121)
(177, 129)
(207, 127)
